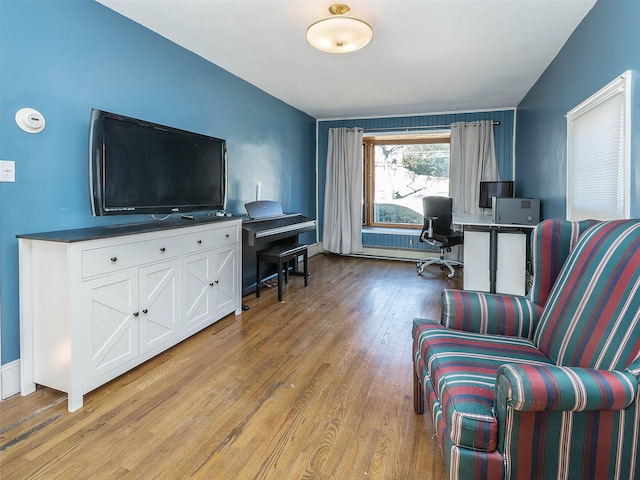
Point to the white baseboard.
(408, 255)
(313, 250)
(10, 379)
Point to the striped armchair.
(544, 386)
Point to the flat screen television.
(488, 190)
(139, 167)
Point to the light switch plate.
(7, 171)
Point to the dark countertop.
(107, 231)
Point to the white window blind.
(598, 154)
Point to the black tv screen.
(488, 190)
(137, 167)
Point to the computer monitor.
(488, 190)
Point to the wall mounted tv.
(139, 167)
(488, 190)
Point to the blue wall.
(65, 57)
(503, 144)
(604, 45)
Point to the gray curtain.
(342, 224)
(472, 160)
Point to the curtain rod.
(423, 127)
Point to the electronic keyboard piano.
(267, 223)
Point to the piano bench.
(282, 255)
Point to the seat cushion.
(462, 367)
(450, 239)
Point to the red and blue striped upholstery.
(466, 463)
(488, 313)
(462, 368)
(567, 422)
(592, 318)
(551, 243)
(551, 387)
(561, 405)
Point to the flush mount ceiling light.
(339, 33)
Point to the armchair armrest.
(551, 387)
(566, 422)
(489, 313)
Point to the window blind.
(598, 158)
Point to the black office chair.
(436, 230)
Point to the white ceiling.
(426, 56)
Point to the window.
(598, 154)
(399, 171)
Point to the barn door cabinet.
(96, 302)
(210, 277)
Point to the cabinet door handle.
(145, 311)
(135, 314)
(227, 235)
(162, 249)
(114, 259)
(199, 242)
(211, 284)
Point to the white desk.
(495, 255)
(484, 221)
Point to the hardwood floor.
(318, 386)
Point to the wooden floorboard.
(318, 386)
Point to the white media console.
(96, 302)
